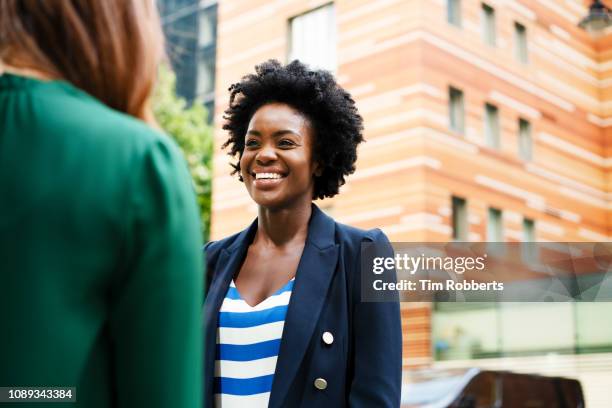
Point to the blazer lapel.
(226, 266)
(315, 270)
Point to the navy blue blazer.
(363, 364)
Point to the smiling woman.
(283, 318)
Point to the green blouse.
(100, 253)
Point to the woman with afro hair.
(285, 325)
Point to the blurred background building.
(191, 35)
(484, 120)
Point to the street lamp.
(598, 19)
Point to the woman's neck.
(282, 227)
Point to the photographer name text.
(429, 285)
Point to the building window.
(492, 136)
(488, 25)
(190, 30)
(313, 38)
(544, 327)
(454, 12)
(524, 140)
(591, 335)
(456, 110)
(457, 330)
(529, 250)
(206, 63)
(519, 329)
(208, 27)
(495, 232)
(460, 221)
(206, 77)
(528, 230)
(520, 43)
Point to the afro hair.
(330, 109)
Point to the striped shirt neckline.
(248, 342)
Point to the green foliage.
(188, 126)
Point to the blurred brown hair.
(108, 48)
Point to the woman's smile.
(266, 181)
(264, 178)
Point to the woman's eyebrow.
(278, 133)
(283, 132)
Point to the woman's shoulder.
(358, 235)
(213, 248)
(74, 117)
(354, 241)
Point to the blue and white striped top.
(248, 341)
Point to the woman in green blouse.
(100, 265)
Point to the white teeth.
(260, 176)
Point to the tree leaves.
(188, 126)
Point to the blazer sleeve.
(156, 307)
(377, 344)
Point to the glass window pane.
(520, 43)
(593, 336)
(537, 327)
(492, 136)
(465, 331)
(456, 110)
(525, 141)
(529, 251)
(208, 27)
(206, 76)
(460, 222)
(454, 12)
(313, 38)
(528, 230)
(494, 226)
(488, 25)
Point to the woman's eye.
(251, 143)
(286, 143)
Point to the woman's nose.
(266, 155)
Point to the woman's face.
(276, 165)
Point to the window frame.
(456, 110)
(492, 130)
(459, 219)
(521, 49)
(495, 225)
(453, 13)
(525, 140)
(489, 25)
(332, 63)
